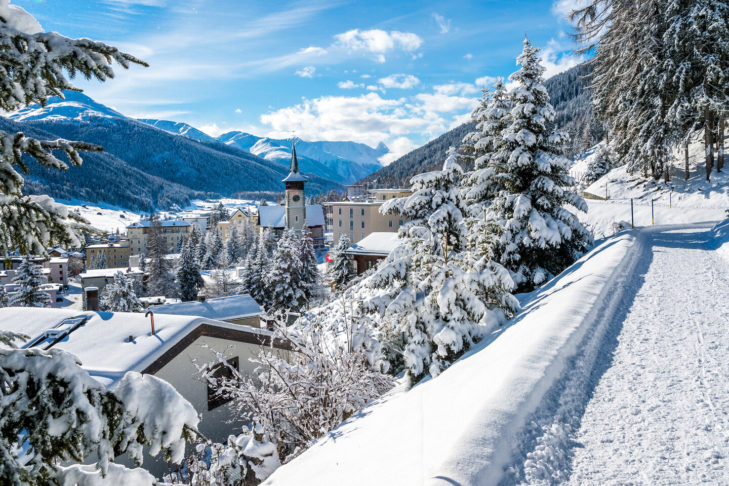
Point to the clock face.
(296, 198)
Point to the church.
(295, 212)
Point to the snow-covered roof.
(275, 216)
(102, 342)
(221, 308)
(58, 260)
(109, 272)
(375, 244)
(109, 245)
(146, 223)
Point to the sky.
(398, 72)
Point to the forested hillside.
(568, 93)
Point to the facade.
(114, 254)
(238, 218)
(356, 220)
(174, 232)
(58, 271)
(385, 194)
(200, 220)
(373, 249)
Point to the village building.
(95, 280)
(108, 255)
(58, 273)
(173, 231)
(238, 219)
(375, 247)
(171, 347)
(235, 309)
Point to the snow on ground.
(104, 218)
(458, 428)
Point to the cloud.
(468, 56)
(455, 89)
(238, 110)
(377, 42)
(444, 24)
(365, 76)
(398, 147)
(442, 103)
(306, 72)
(486, 81)
(563, 8)
(399, 81)
(558, 57)
(348, 84)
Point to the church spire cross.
(294, 160)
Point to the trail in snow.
(646, 401)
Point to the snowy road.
(660, 412)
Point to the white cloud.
(398, 147)
(441, 103)
(444, 24)
(377, 42)
(238, 110)
(374, 87)
(468, 56)
(365, 76)
(399, 81)
(349, 84)
(455, 89)
(563, 8)
(306, 72)
(485, 81)
(558, 57)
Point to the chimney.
(151, 319)
(91, 296)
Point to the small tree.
(232, 246)
(29, 279)
(189, 280)
(215, 248)
(161, 279)
(119, 296)
(283, 281)
(308, 271)
(602, 162)
(341, 271)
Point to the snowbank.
(460, 428)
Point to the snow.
(459, 427)
(377, 243)
(221, 308)
(17, 18)
(110, 272)
(102, 343)
(104, 218)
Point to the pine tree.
(4, 300)
(215, 248)
(101, 260)
(540, 236)
(284, 286)
(201, 251)
(29, 279)
(189, 280)
(34, 66)
(232, 248)
(308, 271)
(259, 270)
(434, 298)
(119, 296)
(161, 279)
(341, 271)
(602, 162)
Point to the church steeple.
(295, 196)
(294, 175)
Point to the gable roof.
(378, 243)
(275, 216)
(102, 344)
(234, 306)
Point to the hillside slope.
(141, 165)
(569, 94)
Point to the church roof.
(294, 175)
(275, 216)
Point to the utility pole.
(632, 218)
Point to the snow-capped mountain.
(180, 128)
(75, 106)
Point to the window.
(363, 235)
(361, 212)
(390, 224)
(340, 210)
(362, 224)
(351, 212)
(351, 225)
(220, 371)
(340, 223)
(400, 222)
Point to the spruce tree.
(201, 251)
(308, 271)
(189, 280)
(602, 162)
(161, 279)
(540, 236)
(119, 296)
(215, 248)
(29, 280)
(341, 271)
(259, 270)
(283, 281)
(435, 300)
(4, 300)
(232, 246)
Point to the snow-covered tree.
(29, 280)
(189, 280)
(120, 296)
(201, 251)
(341, 271)
(540, 236)
(4, 300)
(232, 246)
(215, 248)
(296, 400)
(284, 286)
(100, 260)
(33, 68)
(308, 272)
(601, 163)
(161, 279)
(434, 298)
(260, 264)
(54, 415)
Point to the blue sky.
(398, 72)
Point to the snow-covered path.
(660, 412)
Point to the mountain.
(343, 162)
(570, 95)
(141, 166)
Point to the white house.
(375, 247)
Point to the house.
(235, 309)
(239, 217)
(58, 271)
(108, 255)
(98, 278)
(373, 248)
(171, 347)
(173, 231)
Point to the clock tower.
(295, 200)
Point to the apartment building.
(238, 218)
(174, 232)
(357, 219)
(108, 255)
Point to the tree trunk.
(720, 144)
(666, 172)
(686, 161)
(708, 145)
